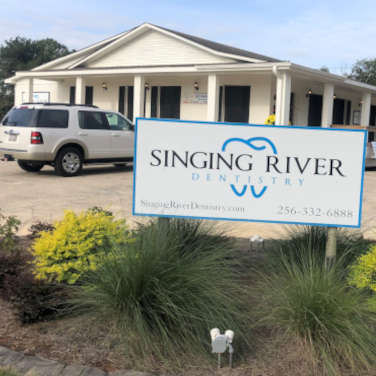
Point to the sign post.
(242, 172)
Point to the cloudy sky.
(312, 33)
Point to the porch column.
(283, 99)
(213, 98)
(327, 106)
(138, 96)
(29, 89)
(80, 90)
(366, 109)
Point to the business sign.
(200, 99)
(38, 97)
(249, 172)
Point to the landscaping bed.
(87, 290)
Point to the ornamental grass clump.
(76, 244)
(167, 290)
(300, 299)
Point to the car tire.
(30, 167)
(120, 164)
(69, 162)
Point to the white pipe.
(275, 72)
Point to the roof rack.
(63, 104)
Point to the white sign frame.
(354, 222)
(45, 94)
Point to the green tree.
(364, 71)
(24, 54)
(324, 68)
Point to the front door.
(121, 135)
(237, 103)
(94, 133)
(315, 110)
(338, 111)
(372, 123)
(170, 102)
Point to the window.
(92, 120)
(20, 117)
(117, 123)
(53, 119)
(89, 95)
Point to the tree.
(364, 71)
(24, 54)
(324, 68)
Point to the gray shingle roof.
(222, 47)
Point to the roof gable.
(153, 48)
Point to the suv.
(65, 136)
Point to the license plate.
(12, 137)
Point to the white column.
(327, 106)
(213, 97)
(138, 96)
(283, 99)
(80, 90)
(29, 89)
(366, 109)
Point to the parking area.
(43, 196)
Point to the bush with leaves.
(9, 227)
(76, 244)
(9, 265)
(33, 300)
(37, 228)
(167, 290)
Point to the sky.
(311, 33)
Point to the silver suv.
(65, 136)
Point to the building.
(155, 72)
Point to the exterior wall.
(155, 48)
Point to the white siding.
(156, 48)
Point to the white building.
(155, 72)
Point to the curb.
(34, 366)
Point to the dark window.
(220, 103)
(121, 99)
(92, 120)
(237, 103)
(170, 102)
(338, 111)
(348, 113)
(20, 117)
(72, 95)
(53, 119)
(291, 116)
(372, 123)
(117, 123)
(315, 109)
(89, 95)
(154, 102)
(130, 103)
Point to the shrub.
(9, 227)
(350, 243)
(32, 300)
(167, 290)
(76, 244)
(9, 265)
(363, 272)
(302, 299)
(37, 228)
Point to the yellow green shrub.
(363, 273)
(77, 244)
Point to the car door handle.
(12, 132)
(82, 133)
(115, 134)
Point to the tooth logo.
(249, 143)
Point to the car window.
(117, 123)
(20, 117)
(92, 120)
(53, 119)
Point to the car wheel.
(120, 164)
(69, 162)
(30, 167)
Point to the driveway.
(43, 196)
